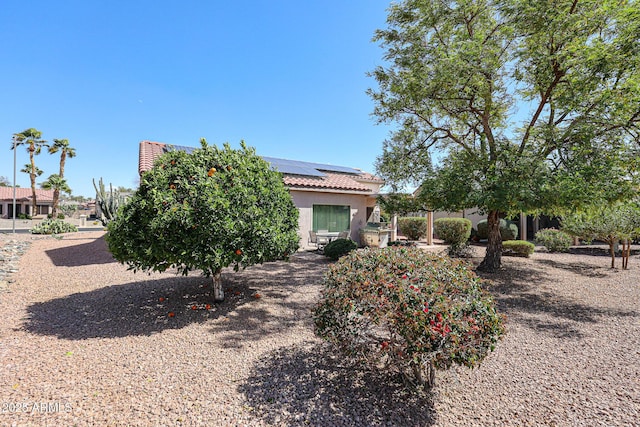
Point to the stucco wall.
(304, 200)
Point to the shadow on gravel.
(142, 307)
(519, 296)
(93, 252)
(307, 385)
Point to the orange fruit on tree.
(172, 314)
(238, 252)
(194, 307)
(208, 306)
(161, 299)
(211, 171)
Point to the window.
(42, 209)
(331, 217)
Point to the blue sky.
(288, 77)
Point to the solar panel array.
(293, 167)
(297, 167)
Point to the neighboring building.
(24, 197)
(333, 198)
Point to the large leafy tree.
(207, 210)
(32, 139)
(510, 106)
(61, 145)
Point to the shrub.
(517, 248)
(413, 228)
(339, 247)
(23, 216)
(508, 230)
(53, 226)
(60, 216)
(407, 309)
(455, 232)
(554, 240)
(401, 243)
(206, 210)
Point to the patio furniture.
(344, 234)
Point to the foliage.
(401, 243)
(107, 201)
(207, 210)
(529, 111)
(23, 216)
(407, 309)
(518, 248)
(508, 229)
(608, 223)
(399, 204)
(455, 232)
(53, 226)
(554, 240)
(4, 181)
(339, 247)
(413, 228)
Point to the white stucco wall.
(304, 201)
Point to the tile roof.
(6, 193)
(324, 179)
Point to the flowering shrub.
(53, 226)
(455, 232)
(413, 228)
(554, 240)
(517, 248)
(339, 247)
(404, 308)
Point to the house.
(328, 197)
(24, 197)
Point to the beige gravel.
(85, 342)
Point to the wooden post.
(523, 226)
(429, 228)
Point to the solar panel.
(171, 147)
(294, 167)
(306, 168)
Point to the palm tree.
(56, 183)
(31, 138)
(61, 145)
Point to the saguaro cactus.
(107, 201)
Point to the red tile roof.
(149, 151)
(6, 193)
(333, 181)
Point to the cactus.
(108, 202)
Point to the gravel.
(84, 341)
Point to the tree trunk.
(32, 177)
(612, 251)
(626, 252)
(218, 292)
(56, 197)
(493, 258)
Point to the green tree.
(61, 145)
(204, 211)
(611, 224)
(523, 106)
(31, 138)
(4, 181)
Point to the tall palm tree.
(31, 138)
(61, 145)
(56, 183)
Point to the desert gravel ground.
(85, 342)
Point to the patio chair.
(344, 234)
(313, 238)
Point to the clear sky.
(288, 77)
